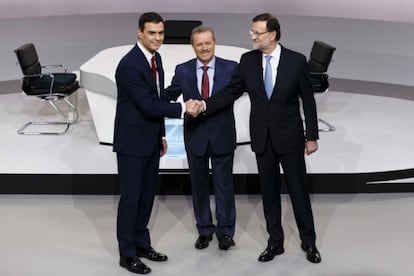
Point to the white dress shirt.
(274, 62)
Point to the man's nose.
(158, 36)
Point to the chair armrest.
(319, 74)
(39, 75)
(63, 67)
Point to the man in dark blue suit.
(139, 141)
(275, 78)
(212, 138)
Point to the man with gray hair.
(205, 139)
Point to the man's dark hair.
(272, 24)
(151, 17)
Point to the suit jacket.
(279, 117)
(139, 119)
(218, 130)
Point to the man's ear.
(274, 34)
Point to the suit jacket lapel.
(141, 56)
(147, 70)
(281, 69)
(192, 78)
(258, 69)
(160, 70)
(218, 75)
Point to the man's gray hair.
(202, 29)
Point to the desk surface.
(97, 76)
(105, 62)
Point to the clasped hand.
(194, 107)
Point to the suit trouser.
(222, 168)
(294, 169)
(138, 178)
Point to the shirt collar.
(276, 52)
(147, 54)
(211, 64)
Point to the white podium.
(97, 77)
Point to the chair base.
(70, 117)
(328, 127)
(22, 131)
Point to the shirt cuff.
(204, 106)
(182, 109)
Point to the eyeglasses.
(256, 33)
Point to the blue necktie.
(268, 81)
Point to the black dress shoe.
(270, 252)
(203, 241)
(134, 265)
(151, 254)
(312, 253)
(226, 242)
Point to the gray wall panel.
(366, 50)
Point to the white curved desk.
(97, 76)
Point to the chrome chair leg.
(68, 121)
(22, 131)
(328, 127)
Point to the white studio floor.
(358, 235)
(373, 134)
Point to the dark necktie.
(205, 86)
(153, 68)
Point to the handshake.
(194, 107)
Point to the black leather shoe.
(270, 252)
(203, 241)
(226, 242)
(312, 253)
(151, 254)
(134, 265)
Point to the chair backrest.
(179, 31)
(320, 57)
(28, 59)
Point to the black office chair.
(47, 86)
(320, 58)
(179, 31)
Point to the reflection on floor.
(365, 234)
